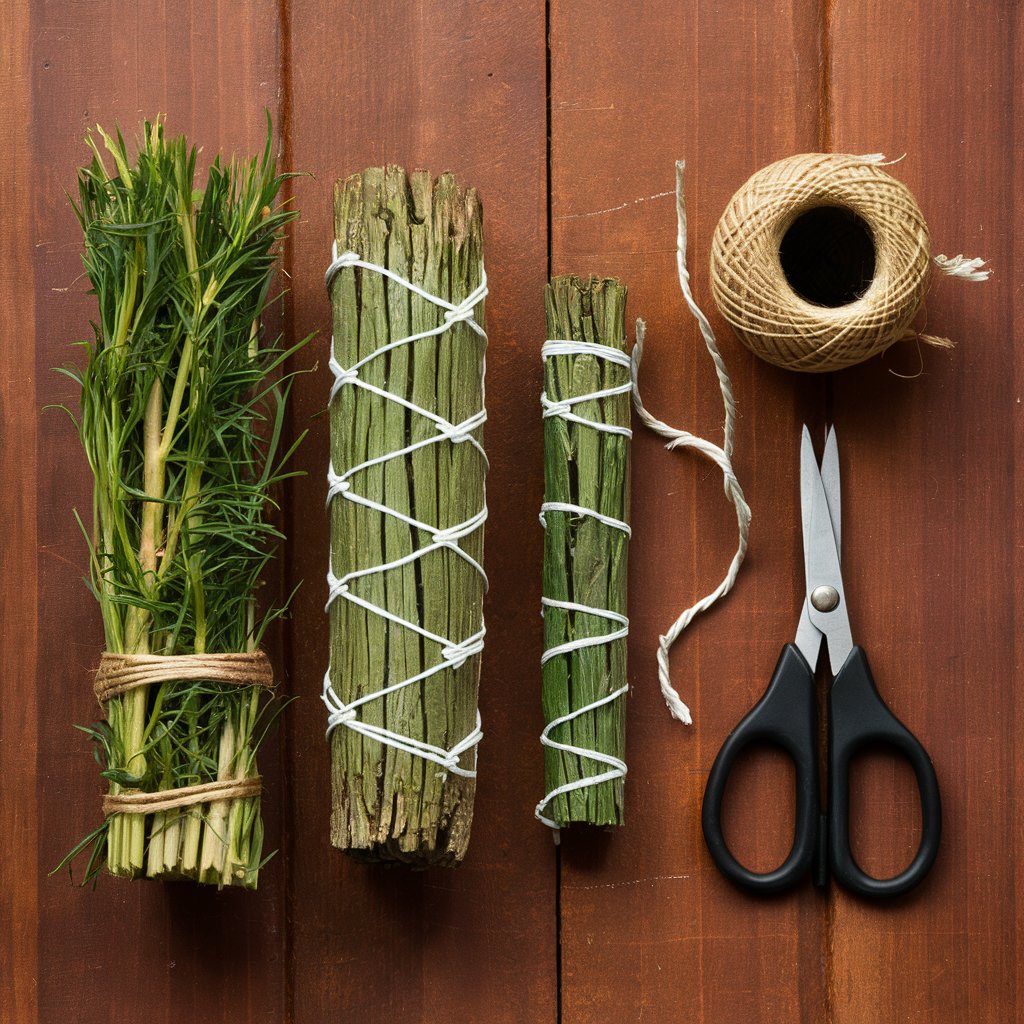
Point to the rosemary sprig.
(182, 416)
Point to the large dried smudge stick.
(406, 496)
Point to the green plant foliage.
(182, 421)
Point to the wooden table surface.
(568, 117)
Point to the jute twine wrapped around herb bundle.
(406, 493)
(119, 674)
(586, 402)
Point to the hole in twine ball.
(828, 256)
(820, 261)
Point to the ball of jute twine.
(754, 295)
(120, 673)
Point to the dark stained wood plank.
(649, 929)
(1016, 658)
(929, 468)
(128, 950)
(19, 960)
(457, 86)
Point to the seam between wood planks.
(286, 780)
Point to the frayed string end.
(677, 709)
(935, 341)
(969, 269)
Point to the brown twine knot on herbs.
(120, 673)
(822, 260)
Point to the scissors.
(786, 716)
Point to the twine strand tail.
(720, 456)
(965, 267)
(934, 340)
(724, 382)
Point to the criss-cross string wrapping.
(615, 767)
(454, 653)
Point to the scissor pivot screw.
(825, 599)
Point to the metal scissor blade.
(830, 480)
(825, 601)
(808, 637)
(808, 471)
(829, 474)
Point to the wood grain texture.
(649, 929)
(928, 467)
(461, 87)
(19, 960)
(934, 567)
(125, 951)
(1015, 224)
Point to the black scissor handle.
(858, 717)
(786, 717)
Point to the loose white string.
(453, 653)
(616, 767)
(963, 266)
(721, 456)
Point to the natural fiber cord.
(753, 283)
(135, 802)
(678, 439)
(119, 673)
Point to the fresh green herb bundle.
(182, 411)
(586, 515)
(389, 445)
